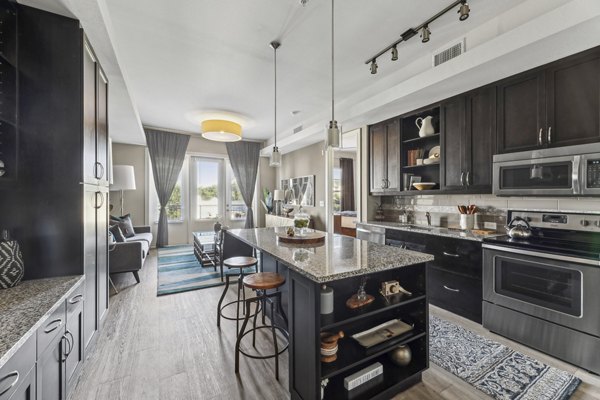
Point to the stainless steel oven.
(564, 171)
(544, 291)
(560, 289)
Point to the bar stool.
(239, 263)
(261, 282)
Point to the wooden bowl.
(424, 185)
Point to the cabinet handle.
(451, 254)
(451, 289)
(467, 177)
(387, 183)
(462, 178)
(101, 203)
(96, 166)
(549, 135)
(12, 385)
(540, 139)
(58, 323)
(76, 299)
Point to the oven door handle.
(576, 174)
(542, 255)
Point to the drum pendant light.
(275, 160)
(333, 130)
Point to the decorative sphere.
(401, 355)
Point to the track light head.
(374, 67)
(394, 53)
(464, 11)
(425, 34)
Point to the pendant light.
(275, 160)
(333, 131)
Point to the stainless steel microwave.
(561, 171)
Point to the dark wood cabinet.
(385, 162)
(51, 378)
(75, 334)
(453, 143)
(468, 142)
(573, 101)
(553, 106)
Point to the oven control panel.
(593, 174)
(563, 221)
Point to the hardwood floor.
(170, 348)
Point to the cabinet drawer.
(51, 328)
(456, 255)
(13, 373)
(75, 300)
(456, 293)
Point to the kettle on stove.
(519, 228)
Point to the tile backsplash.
(444, 212)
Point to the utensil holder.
(467, 221)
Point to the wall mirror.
(299, 190)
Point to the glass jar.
(301, 221)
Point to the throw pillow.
(117, 233)
(111, 238)
(125, 224)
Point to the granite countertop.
(339, 257)
(438, 231)
(24, 308)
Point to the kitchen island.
(341, 263)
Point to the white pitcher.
(425, 126)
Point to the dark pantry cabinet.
(552, 106)
(56, 206)
(384, 149)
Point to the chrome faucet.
(428, 218)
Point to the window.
(236, 206)
(337, 189)
(207, 187)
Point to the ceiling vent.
(297, 129)
(449, 52)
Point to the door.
(521, 109)
(393, 162)
(89, 262)
(453, 143)
(89, 115)
(573, 101)
(102, 251)
(377, 157)
(101, 167)
(480, 139)
(51, 383)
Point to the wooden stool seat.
(264, 280)
(240, 262)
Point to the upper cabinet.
(384, 156)
(8, 93)
(468, 126)
(558, 105)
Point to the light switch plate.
(490, 225)
(322, 203)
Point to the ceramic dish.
(424, 185)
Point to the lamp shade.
(123, 177)
(221, 130)
(278, 195)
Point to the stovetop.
(574, 248)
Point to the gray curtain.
(167, 151)
(244, 157)
(347, 201)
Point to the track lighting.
(423, 28)
(374, 67)
(394, 53)
(425, 34)
(464, 11)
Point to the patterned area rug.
(493, 368)
(179, 271)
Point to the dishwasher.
(370, 233)
(404, 244)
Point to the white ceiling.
(182, 56)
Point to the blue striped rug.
(179, 271)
